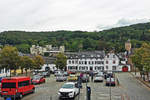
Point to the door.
(125, 69)
(91, 68)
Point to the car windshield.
(60, 75)
(98, 75)
(9, 85)
(112, 79)
(67, 86)
(36, 77)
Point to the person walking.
(92, 75)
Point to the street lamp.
(110, 86)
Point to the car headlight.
(71, 92)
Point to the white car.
(98, 78)
(68, 90)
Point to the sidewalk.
(138, 77)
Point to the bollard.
(88, 93)
(50, 97)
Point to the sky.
(84, 15)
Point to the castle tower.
(128, 46)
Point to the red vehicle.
(37, 79)
(16, 87)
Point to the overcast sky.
(87, 15)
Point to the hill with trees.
(80, 40)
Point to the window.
(69, 62)
(86, 68)
(114, 62)
(89, 62)
(92, 62)
(72, 62)
(113, 67)
(106, 62)
(113, 56)
(95, 62)
(106, 67)
(76, 62)
(23, 83)
(83, 68)
(79, 62)
(85, 62)
(9, 85)
(79, 67)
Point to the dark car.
(37, 79)
(45, 74)
(85, 78)
(108, 75)
(110, 82)
(2, 78)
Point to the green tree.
(26, 63)
(9, 58)
(61, 61)
(38, 61)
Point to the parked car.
(72, 77)
(108, 75)
(45, 74)
(16, 87)
(71, 72)
(66, 73)
(2, 78)
(85, 78)
(110, 82)
(57, 73)
(100, 73)
(68, 90)
(61, 77)
(37, 79)
(98, 78)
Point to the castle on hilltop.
(48, 50)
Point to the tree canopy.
(80, 40)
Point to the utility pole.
(110, 86)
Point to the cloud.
(123, 22)
(50, 15)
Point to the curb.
(140, 81)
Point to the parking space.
(49, 91)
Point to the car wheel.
(33, 90)
(20, 96)
(74, 95)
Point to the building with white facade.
(111, 62)
(95, 61)
(4, 72)
(86, 61)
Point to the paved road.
(130, 89)
(133, 89)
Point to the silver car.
(61, 77)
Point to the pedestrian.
(92, 76)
